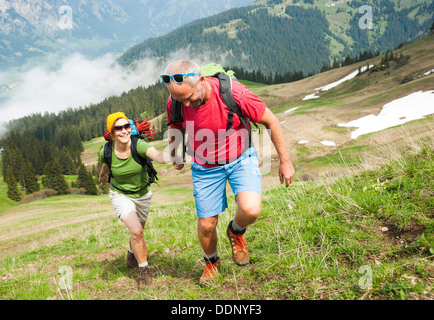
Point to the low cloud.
(77, 82)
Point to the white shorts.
(123, 205)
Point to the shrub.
(77, 191)
(39, 195)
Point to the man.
(205, 117)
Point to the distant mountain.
(32, 28)
(278, 36)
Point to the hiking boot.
(131, 260)
(209, 273)
(240, 251)
(145, 277)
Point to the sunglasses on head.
(125, 126)
(177, 77)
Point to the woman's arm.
(164, 157)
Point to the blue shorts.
(209, 184)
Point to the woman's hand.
(103, 179)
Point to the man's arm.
(175, 139)
(286, 169)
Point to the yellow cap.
(112, 118)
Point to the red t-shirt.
(206, 125)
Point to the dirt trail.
(46, 226)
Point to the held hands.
(178, 163)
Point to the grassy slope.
(309, 243)
(372, 208)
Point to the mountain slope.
(307, 123)
(284, 36)
(36, 27)
(360, 208)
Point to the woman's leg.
(137, 241)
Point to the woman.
(130, 192)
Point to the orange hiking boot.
(239, 247)
(209, 273)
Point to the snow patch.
(288, 111)
(328, 143)
(428, 72)
(412, 107)
(335, 84)
(311, 96)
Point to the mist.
(75, 82)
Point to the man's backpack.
(146, 163)
(226, 94)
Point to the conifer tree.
(82, 176)
(5, 161)
(68, 167)
(85, 180)
(91, 188)
(55, 178)
(30, 178)
(13, 191)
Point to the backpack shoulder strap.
(108, 158)
(139, 159)
(228, 99)
(108, 153)
(144, 162)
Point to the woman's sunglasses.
(177, 77)
(125, 126)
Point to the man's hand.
(286, 172)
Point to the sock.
(144, 264)
(236, 228)
(213, 257)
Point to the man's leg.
(245, 181)
(249, 207)
(207, 232)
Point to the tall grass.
(315, 240)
